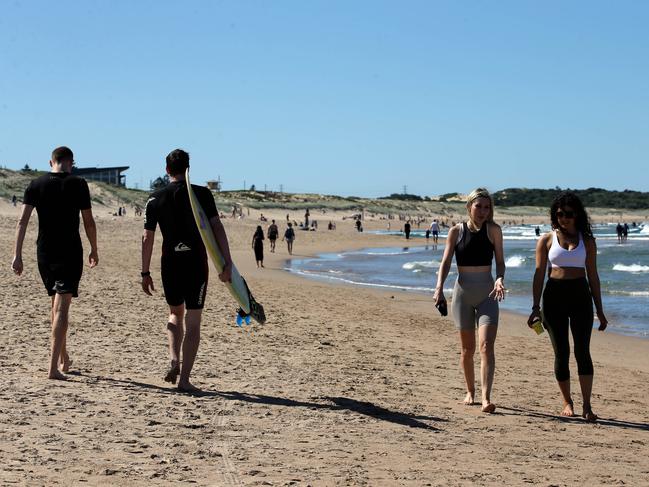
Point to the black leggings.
(568, 303)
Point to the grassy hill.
(519, 201)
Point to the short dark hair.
(62, 154)
(177, 162)
(570, 199)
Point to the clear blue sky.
(347, 97)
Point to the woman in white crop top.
(569, 254)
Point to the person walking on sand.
(406, 230)
(273, 233)
(475, 243)
(58, 198)
(289, 236)
(258, 246)
(569, 253)
(184, 268)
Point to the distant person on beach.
(13, 200)
(619, 229)
(58, 198)
(359, 225)
(258, 246)
(434, 228)
(406, 229)
(427, 234)
(537, 231)
(475, 243)
(569, 253)
(625, 232)
(184, 268)
(273, 233)
(289, 236)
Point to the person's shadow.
(618, 423)
(328, 403)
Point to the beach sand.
(343, 385)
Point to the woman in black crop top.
(475, 243)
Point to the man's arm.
(222, 240)
(148, 237)
(21, 229)
(91, 232)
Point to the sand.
(343, 386)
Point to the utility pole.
(405, 189)
(281, 188)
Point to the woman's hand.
(535, 315)
(438, 297)
(498, 292)
(603, 322)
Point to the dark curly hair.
(570, 199)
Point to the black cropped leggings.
(567, 303)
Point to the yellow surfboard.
(237, 285)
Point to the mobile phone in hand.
(441, 307)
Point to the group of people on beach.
(59, 197)
(567, 253)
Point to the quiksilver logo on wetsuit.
(181, 247)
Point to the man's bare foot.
(172, 373)
(56, 375)
(568, 410)
(488, 406)
(469, 400)
(187, 387)
(589, 415)
(66, 362)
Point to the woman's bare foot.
(469, 400)
(56, 375)
(589, 415)
(488, 406)
(187, 387)
(568, 410)
(172, 373)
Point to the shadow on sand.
(618, 423)
(328, 403)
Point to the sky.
(362, 98)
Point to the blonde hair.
(480, 193)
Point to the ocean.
(623, 271)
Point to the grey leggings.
(471, 304)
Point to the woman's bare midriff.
(567, 272)
(473, 268)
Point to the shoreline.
(335, 282)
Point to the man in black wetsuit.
(58, 197)
(184, 266)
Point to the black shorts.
(184, 279)
(62, 277)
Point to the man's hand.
(93, 258)
(17, 265)
(226, 274)
(147, 285)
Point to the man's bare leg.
(60, 313)
(467, 342)
(190, 347)
(175, 337)
(64, 358)
(487, 335)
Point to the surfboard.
(237, 286)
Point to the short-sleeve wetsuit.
(184, 269)
(58, 198)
